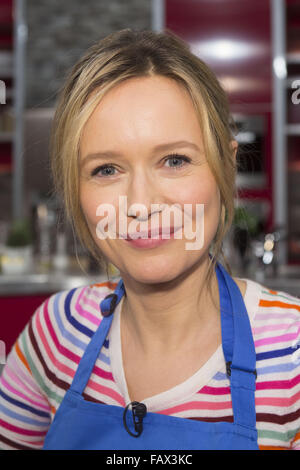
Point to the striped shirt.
(43, 361)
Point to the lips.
(150, 234)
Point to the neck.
(168, 316)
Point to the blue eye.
(177, 157)
(103, 168)
(107, 166)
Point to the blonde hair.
(129, 54)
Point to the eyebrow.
(157, 148)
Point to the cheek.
(201, 191)
(89, 202)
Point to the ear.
(234, 146)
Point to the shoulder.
(59, 331)
(78, 307)
(275, 320)
(65, 321)
(270, 305)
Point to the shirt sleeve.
(295, 444)
(25, 412)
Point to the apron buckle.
(139, 411)
(228, 369)
(113, 303)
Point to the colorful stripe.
(43, 361)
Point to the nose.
(144, 196)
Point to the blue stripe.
(220, 376)
(277, 368)
(83, 329)
(65, 333)
(275, 353)
(104, 358)
(24, 419)
(22, 405)
(69, 336)
(286, 367)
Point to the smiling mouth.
(150, 234)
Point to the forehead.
(142, 109)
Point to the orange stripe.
(21, 356)
(297, 437)
(110, 284)
(53, 410)
(272, 448)
(277, 303)
(273, 291)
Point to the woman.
(176, 353)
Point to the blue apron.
(81, 424)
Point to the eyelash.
(169, 157)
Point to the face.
(131, 121)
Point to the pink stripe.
(97, 294)
(198, 405)
(283, 326)
(84, 313)
(26, 432)
(27, 379)
(202, 405)
(65, 352)
(88, 301)
(215, 390)
(276, 339)
(74, 357)
(277, 401)
(276, 316)
(106, 391)
(21, 395)
(34, 444)
(97, 370)
(57, 364)
(100, 292)
(278, 384)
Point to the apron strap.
(237, 341)
(238, 348)
(87, 362)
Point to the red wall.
(15, 312)
(242, 30)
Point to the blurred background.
(254, 48)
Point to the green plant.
(245, 220)
(19, 234)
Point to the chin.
(152, 273)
